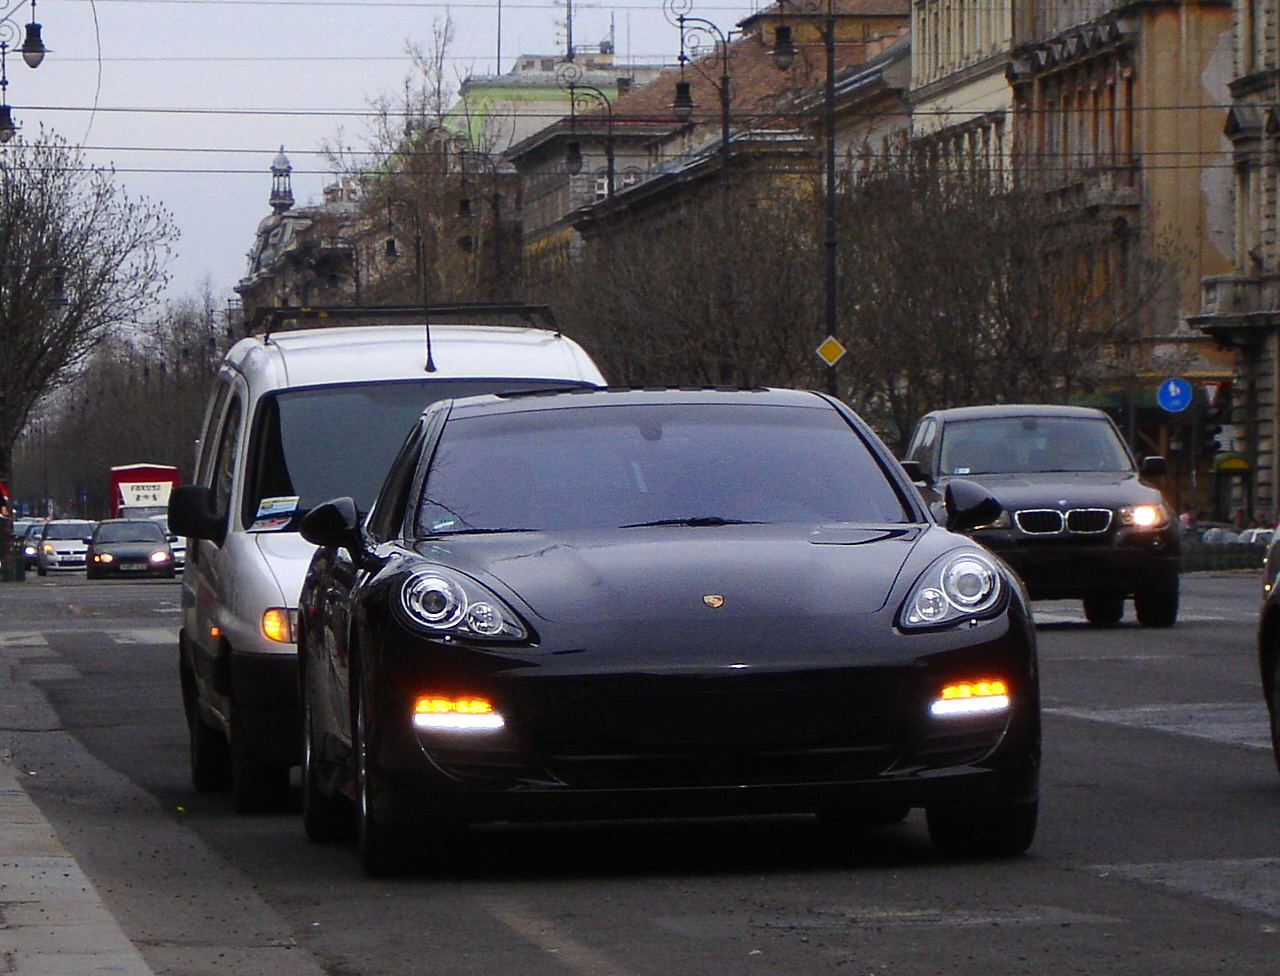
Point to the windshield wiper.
(472, 531)
(697, 521)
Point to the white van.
(296, 418)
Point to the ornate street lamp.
(33, 52)
(693, 30)
(582, 98)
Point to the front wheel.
(210, 758)
(997, 830)
(381, 846)
(1157, 607)
(326, 817)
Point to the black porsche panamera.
(614, 603)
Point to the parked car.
(1269, 643)
(1079, 520)
(294, 418)
(63, 543)
(128, 547)
(660, 603)
(30, 543)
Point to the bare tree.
(78, 258)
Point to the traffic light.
(1210, 428)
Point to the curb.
(52, 921)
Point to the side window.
(388, 510)
(923, 446)
(204, 461)
(224, 462)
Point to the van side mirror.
(192, 513)
(1153, 466)
(968, 505)
(336, 523)
(913, 470)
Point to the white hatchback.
(62, 545)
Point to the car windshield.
(318, 443)
(68, 530)
(1029, 444)
(637, 465)
(128, 532)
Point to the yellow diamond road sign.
(831, 350)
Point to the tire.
(381, 847)
(1273, 706)
(257, 786)
(326, 818)
(998, 830)
(209, 754)
(1104, 609)
(1157, 607)
(41, 571)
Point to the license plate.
(133, 567)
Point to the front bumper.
(607, 745)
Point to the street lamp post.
(692, 30)
(784, 53)
(583, 97)
(33, 52)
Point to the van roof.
(351, 354)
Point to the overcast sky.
(191, 99)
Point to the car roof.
(352, 354)
(1016, 410)
(628, 396)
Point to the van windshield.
(1029, 444)
(313, 444)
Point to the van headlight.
(960, 586)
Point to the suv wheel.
(326, 817)
(1157, 607)
(1004, 829)
(1104, 609)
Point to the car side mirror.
(969, 505)
(1153, 467)
(336, 523)
(192, 513)
(914, 471)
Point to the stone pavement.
(52, 922)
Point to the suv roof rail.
(268, 319)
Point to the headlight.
(959, 586)
(443, 602)
(1145, 516)
(160, 556)
(104, 557)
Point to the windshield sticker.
(274, 513)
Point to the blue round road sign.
(1174, 394)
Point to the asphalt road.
(1158, 852)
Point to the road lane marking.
(1232, 723)
(549, 937)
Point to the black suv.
(1079, 521)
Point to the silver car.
(297, 418)
(63, 544)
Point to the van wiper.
(473, 531)
(697, 521)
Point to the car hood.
(287, 556)
(1067, 489)
(672, 573)
(129, 550)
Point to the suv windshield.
(610, 467)
(314, 444)
(1029, 444)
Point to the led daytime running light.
(437, 713)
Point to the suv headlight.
(445, 603)
(1146, 516)
(960, 586)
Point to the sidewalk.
(52, 922)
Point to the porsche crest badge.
(713, 600)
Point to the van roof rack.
(268, 319)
